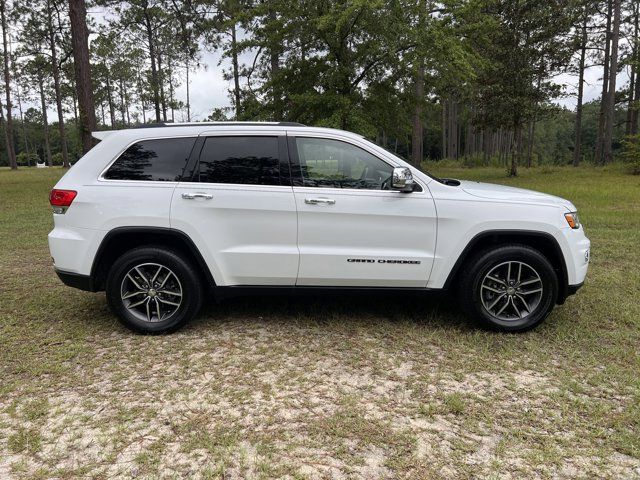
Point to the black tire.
(477, 291)
(169, 317)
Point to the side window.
(243, 160)
(160, 160)
(335, 164)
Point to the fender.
(491, 236)
(144, 234)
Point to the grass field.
(355, 387)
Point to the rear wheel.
(153, 290)
(509, 288)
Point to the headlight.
(572, 219)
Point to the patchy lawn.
(350, 387)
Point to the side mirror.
(402, 179)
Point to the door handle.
(193, 196)
(319, 201)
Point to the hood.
(512, 194)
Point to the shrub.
(631, 153)
(56, 159)
(27, 159)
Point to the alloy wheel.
(151, 292)
(511, 291)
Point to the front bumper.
(572, 289)
(577, 253)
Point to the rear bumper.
(73, 249)
(76, 280)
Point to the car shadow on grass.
(424, 309)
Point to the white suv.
(160, 216)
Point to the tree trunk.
(188, 100)
(82, 71)
(453, 129)
(598, 157)
(112, 110)
(417, 147)
(25, 136)
(123, 102)
(11, 149)
(577, 144)
(632, 82)
(45, 121)
(444, 152)
(516, 144)
(56, 86)
(633, 130)
(75, 109)
(163, 99)
(126, 104)
(274, 60)
(142, 104)
(236, 73)
(611, 103)
(171, 99)
(532, 131)
(152, 56)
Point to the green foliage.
(25, 159)
(353, 64)
(631, 153)
(57, 159)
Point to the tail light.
(60, 200)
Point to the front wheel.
(153, 290)
(509, 288)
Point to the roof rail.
(220, 124)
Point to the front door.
(239, 209)
(352, 229)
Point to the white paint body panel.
(364, 224)
(361, 225)
(268, 235)
(246, 233)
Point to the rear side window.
(161, 160)
(241, 160)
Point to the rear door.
(352, 229)
(238, 208)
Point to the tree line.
(477, 80)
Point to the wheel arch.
(544, 242)
(121, 239)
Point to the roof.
(102, 134)
(197, 124)
(203, 128)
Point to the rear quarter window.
(159, 160)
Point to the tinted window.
(160, 160)
(331, 163)
(245, 160)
